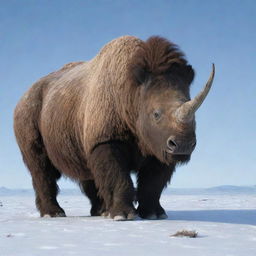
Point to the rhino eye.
(157, 114)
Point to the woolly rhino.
(128, 109)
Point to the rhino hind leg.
(44, 178)
(97, 203)
(44, 174)
(46, 189)
(109, 164)
(152, 178)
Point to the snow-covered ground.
(225, 222)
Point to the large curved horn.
(185, 112)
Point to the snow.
(226, 225)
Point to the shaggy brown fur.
(157, 56)
(96, 121)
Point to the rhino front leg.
(152, 178)
(109, 163)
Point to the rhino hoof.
(46, 216)
(119, 218)
(131, 216)
(58, 214)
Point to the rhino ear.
(140, 74)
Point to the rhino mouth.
(175, 158)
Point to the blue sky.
(38, 37)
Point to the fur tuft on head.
(158, 56)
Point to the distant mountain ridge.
(229, 188)
(225, 189)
